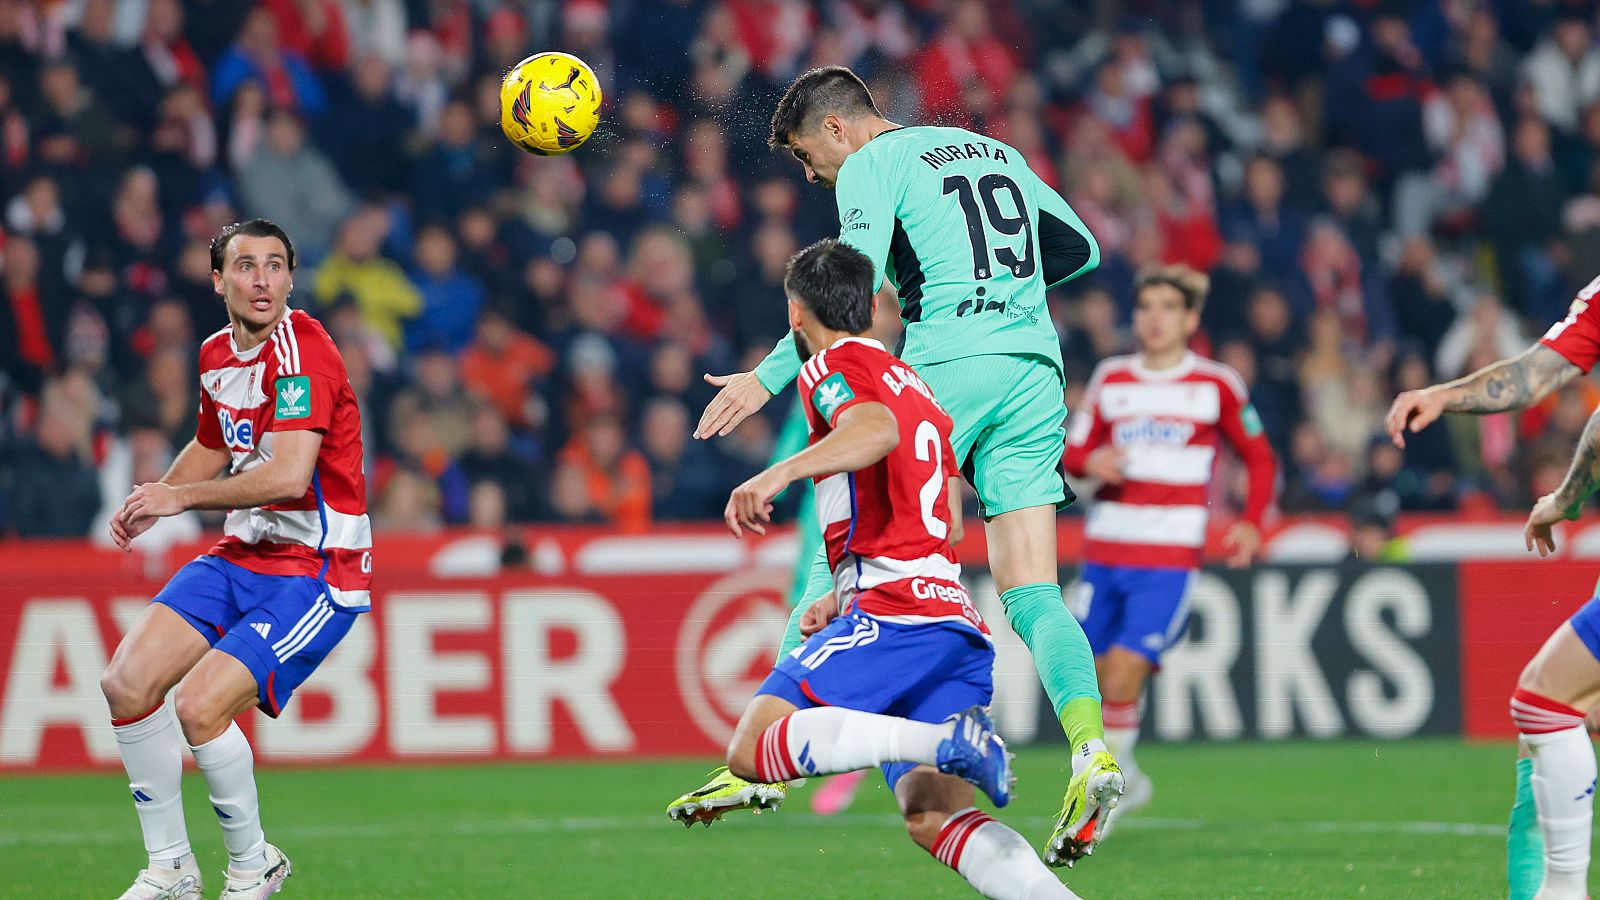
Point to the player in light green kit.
(971, 238)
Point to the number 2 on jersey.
(929, 447)
(1002, 222)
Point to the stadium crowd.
(1384, 193)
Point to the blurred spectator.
(407, 501)
(967, 53)
(1464, 133)
(377, 28)
(1262, 218)
(1486, 329)
(491, 458)
(34, 328)
(312, 29)
(366, 130)
(456, 173)
(616, 478)
(257, 56)
(1564, 71)
(293, 184)
(55, 491)
(685, 482)
(451, 298)
(502, 366)
(1522, 214)
(1372, 534)
(166, 50)
(379, 287)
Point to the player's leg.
(1157, 615)
(166, 642)
(1524, 841)
(995, 860)
(1562, 680)
(1011, 442)
(835, 683)
(279, 641)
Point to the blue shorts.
(926, 673)
(1142, 610)
(280, 626)
(1586, 622)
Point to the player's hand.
(741, 395)
(1242, 542)
(152, 500)
(123, 531)
(1539, 533)
(819, 614)
(1413, 411)
(750, 504)
(1105, 464)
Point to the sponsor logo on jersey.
(239, 435)
(831, 394)
(853, 219)
(1153, 430)
(294, 397)
(1251, 420)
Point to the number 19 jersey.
(969, 235)
(887, 526)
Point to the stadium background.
(1384, 193)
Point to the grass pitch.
(1346, 819)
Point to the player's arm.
(1066, 247)
(958, 522)
(1510, 384)
(863, 434)
(1090, 453)
(196, 462)
(1583, 478)
(286, 476)
(1241, 427)
(866, 222)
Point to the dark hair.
(1186, 281)
(250, 228)
(817, 93)
(834, 281)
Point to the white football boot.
(263, 884)
(163, 883)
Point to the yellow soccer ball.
(549, 103)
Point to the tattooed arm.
(1567, 501)
(1515, 383)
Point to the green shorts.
(1010, 428)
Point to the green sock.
(1062, 656)
(1524, 840)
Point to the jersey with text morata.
(293, 380)
(887, 526)
(970, 237)
(1168, 423)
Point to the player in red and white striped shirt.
(246, 623)
(1148, 430)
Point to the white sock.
(229, 767)
(827, 740)
(1563, 789)
(1563, 794)
(996, 861)
(151, 747)
(1122, 733)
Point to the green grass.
(1349, 819)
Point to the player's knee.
(125, 694)
(924, 825)
(200, 716)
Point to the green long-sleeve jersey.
(970, 237)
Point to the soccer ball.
(549, 103)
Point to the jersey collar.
(1173, 373)
(857, 340)
(253, 352)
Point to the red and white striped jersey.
(293, 380)
(1577, 337)
(1168, 423)
(887, 526)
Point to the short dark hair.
(834, 281)
(817, 93)
(249, 228)
(1186, 281)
